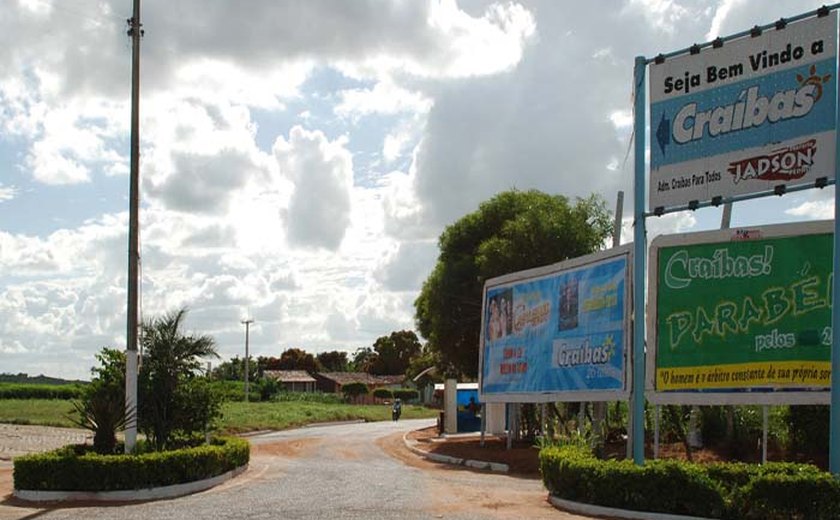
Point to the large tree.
(514, 230)
(333, 361)
(393, 353)
(298, 359)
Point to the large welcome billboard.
(559, 332)
(745, 116)
(741, 315)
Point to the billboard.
(558, 332)
(746, 115)
(741, 316)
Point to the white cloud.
(815, 209)
(7, 192)
(322, 173)
(384, 98)
(664, 14)
(406, 267)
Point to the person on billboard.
(493, 325)
(503, 317)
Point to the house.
(293, 380)
(331, 382)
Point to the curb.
(455, 461)
(593, 510)
(128, 495)
(333, 423)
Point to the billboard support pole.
(640, 250)
(834, 417)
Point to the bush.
(307, 397)
(721, 490)
(352, 390)
(102, 406)
(808, 428)
(406, 394)
(33, 391)
(779, 496)
(77, 469)
(267, 388)
(383, 393)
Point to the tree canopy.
(298, 359)
(514, 230)
(393, 353)
(333, 361)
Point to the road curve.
(349, 471)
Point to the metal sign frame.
(640, 241)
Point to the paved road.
(356, 471)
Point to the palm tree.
(101, 408)
(170, 360)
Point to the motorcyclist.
(396, 410)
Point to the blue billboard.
(557, 333)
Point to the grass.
(237, 417)
(43, 412)
(242, 417)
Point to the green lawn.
(237, 416)
(242, 417)
(45, 412)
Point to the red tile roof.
(344, 378)
(289, 376)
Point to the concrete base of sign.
(130, 495)
(450, 406)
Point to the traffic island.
(74, 473)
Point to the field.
(44, 412)
(237, 417)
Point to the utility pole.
(247, 323)
(135, 31)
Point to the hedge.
(383, 393)
(720, 490)
(39, 391)
(406, 394)
(72, 468)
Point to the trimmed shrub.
(75, 468)
(720, 490)
(779, 496)
(38, 391)
(383, 393)
(573, 473)
(406, 394)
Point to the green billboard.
(747, 312)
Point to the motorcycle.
(396, 411)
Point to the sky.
(300, 158)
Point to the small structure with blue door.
(468, 406)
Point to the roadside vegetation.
(290, 411)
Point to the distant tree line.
(397, 353)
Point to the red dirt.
(522, 458)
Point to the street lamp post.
(247, 323)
